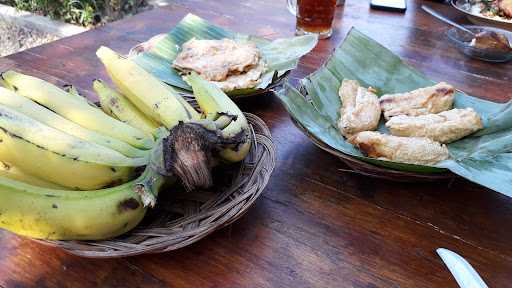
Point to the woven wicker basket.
(182, 218)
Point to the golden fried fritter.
(445, 127)
(413, 150)
(248, 79)
(360, 109)
(215, 60)
(434, 99)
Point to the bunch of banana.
(61, 138)
(49, 118)
(196, 140)
(53, 141)
(73, 109)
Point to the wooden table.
(314, 226)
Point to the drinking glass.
(313, 16)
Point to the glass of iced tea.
(313, 16)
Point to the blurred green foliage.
(81, 12)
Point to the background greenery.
(82, 12)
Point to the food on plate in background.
(434, 99)
(413, 150)
(505, 7)
(360, 109)
(493, 9)
(445, 127)
(491, 40)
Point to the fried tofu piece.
(434, 99)
(445, 127)
(360, 109)
(215, 60)
(412, 150)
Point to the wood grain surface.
(315, 225)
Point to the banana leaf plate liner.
(484, 157)
(182, 218)
(157, 54)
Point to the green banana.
(73, 109)
(118, 106)
(20, 125)
(215, 104)
(10, 171)
(47, 117)
(74, 215)
(145, 91)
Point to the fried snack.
(492, 41)
(434, 99)
(248, 79)
(215, 60)
(412, 150)
(505, 7)
(360, 109)
(445, 127)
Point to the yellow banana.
(61, 169)
(74, 215)
(10, 171)
(214, 102)
(73, 109)
(145, 91)
(192, 113)
(118, 106)
(47, 117)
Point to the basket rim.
(225, 214)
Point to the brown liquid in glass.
(315, 16)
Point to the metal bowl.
(462, 41)
(464, 6)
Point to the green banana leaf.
(484, 157)
(280, 55)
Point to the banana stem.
(148, 186)
(224, 120)
(190, 150)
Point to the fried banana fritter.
(360, 109)
(434, 99)
(215, 60)
(445, 127)
(413, 150)
(248, 79)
